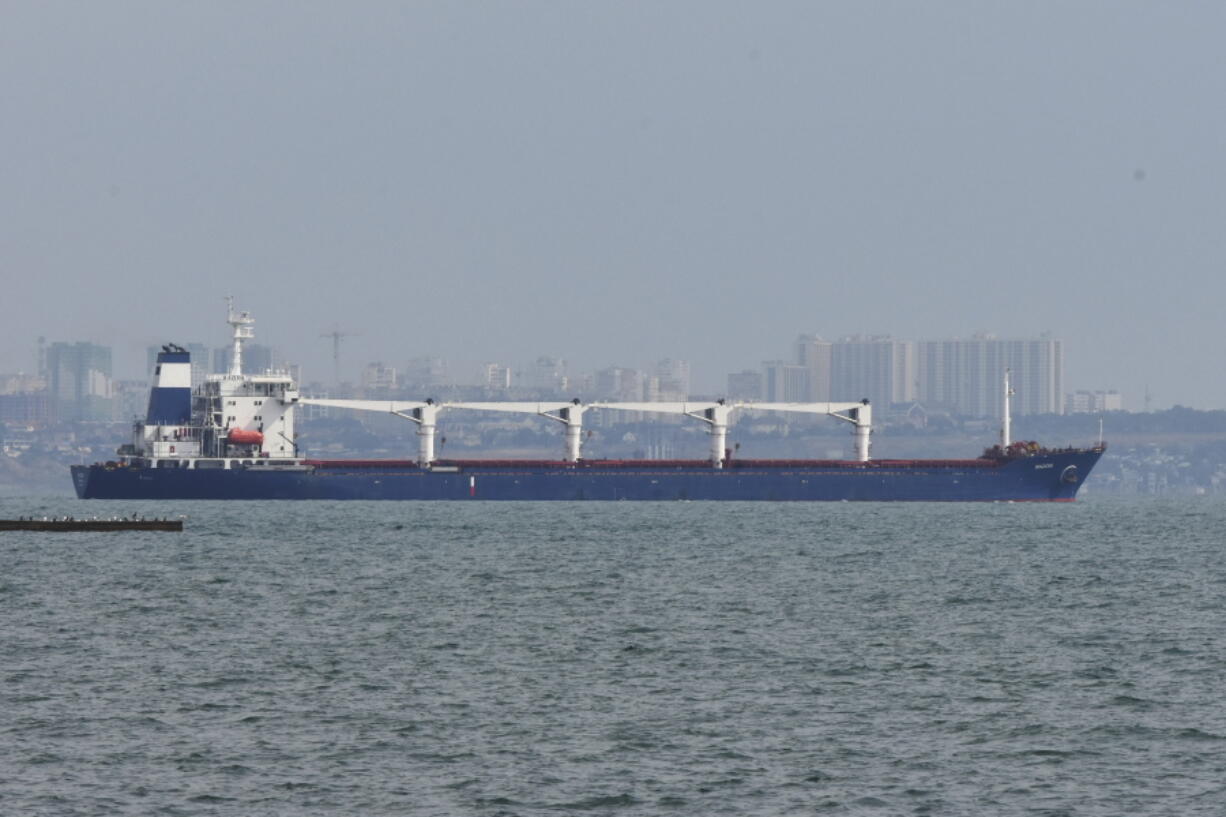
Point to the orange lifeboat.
(238, 436)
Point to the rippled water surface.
(672, 658)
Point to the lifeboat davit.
(240, 436)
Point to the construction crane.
(336, 334)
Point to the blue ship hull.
(1049, 476)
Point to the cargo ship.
(234, 437)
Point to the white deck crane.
(860, 415)
(568, 413)
(423, 413)
(716, 415)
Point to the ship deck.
(639, 465)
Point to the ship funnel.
(170, 399)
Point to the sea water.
(309, 658)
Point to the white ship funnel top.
(170, 399)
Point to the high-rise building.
(674, 379)
(784, 382)
(79, 382)
(939, 372)
(24, 407)
(1093, 402)
(425, 372)
(378, 379)
(877, 368)
(496, 377)
(617, 383)
(21, 383)
(23, 398)
(745, 385)
(131, 400)
(548, 375)
(966, 376)
(816, 356)
(963, 376)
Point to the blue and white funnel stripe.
(170, 400)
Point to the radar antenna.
(244, 329)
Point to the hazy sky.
(614, 182)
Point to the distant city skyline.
(608, 184)
(962, 376)
(130, 366)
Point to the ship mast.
(1005, 419)
(242, 323)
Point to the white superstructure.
(232, 419)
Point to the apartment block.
(1093, 402)
(79, 382)
(966, 376)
